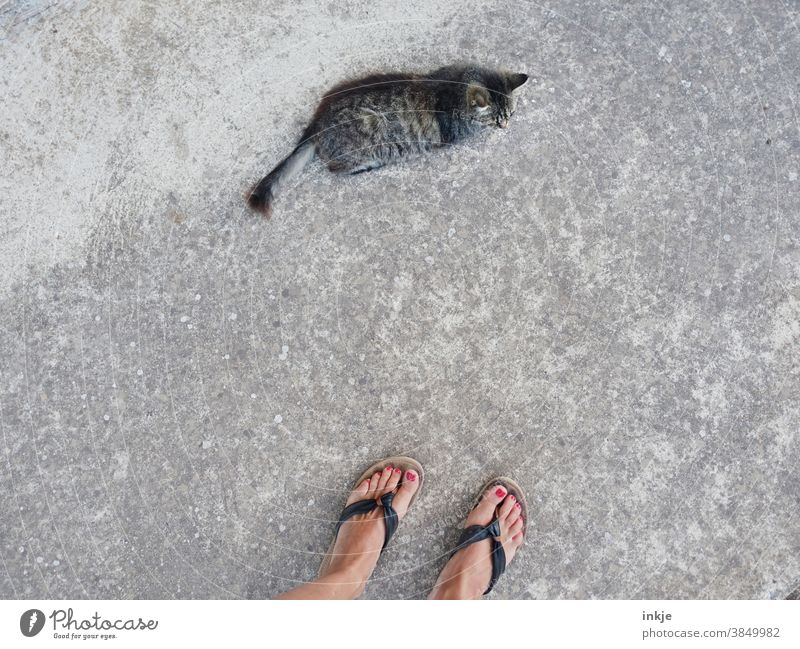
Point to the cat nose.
(502, 123)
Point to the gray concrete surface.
(602, 301)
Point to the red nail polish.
(512, 497)
(500, 492)
(397, 470)
(410, 476)
(518, 506)
(388, 468)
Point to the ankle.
(458, 587)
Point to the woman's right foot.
(467, 574)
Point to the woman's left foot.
(468, 573)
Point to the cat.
(370, 122)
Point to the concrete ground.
(602, 301)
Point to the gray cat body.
(368, 123)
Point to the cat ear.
(477, 97)
(516, 80)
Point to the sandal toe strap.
(390, 517)
(477, 533)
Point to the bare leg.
(467, 574)
(333, 586)
(360, 539)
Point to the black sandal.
(477, 533)
(390, 517)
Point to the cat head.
(491, 97)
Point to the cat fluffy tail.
(260, 198)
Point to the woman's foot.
(467, 574)
(360, 539)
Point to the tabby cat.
(364, 124)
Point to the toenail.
(388, 468)
(512, 497)
(397, 470)
(410, 476)
(518, 506)
(500, 492)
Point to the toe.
(374, 481)
(359, 493)
(516, 527)
(483, 514)
(506, 507)
(514, 513)
(385, 475)
(406, 491)
(394, 479)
